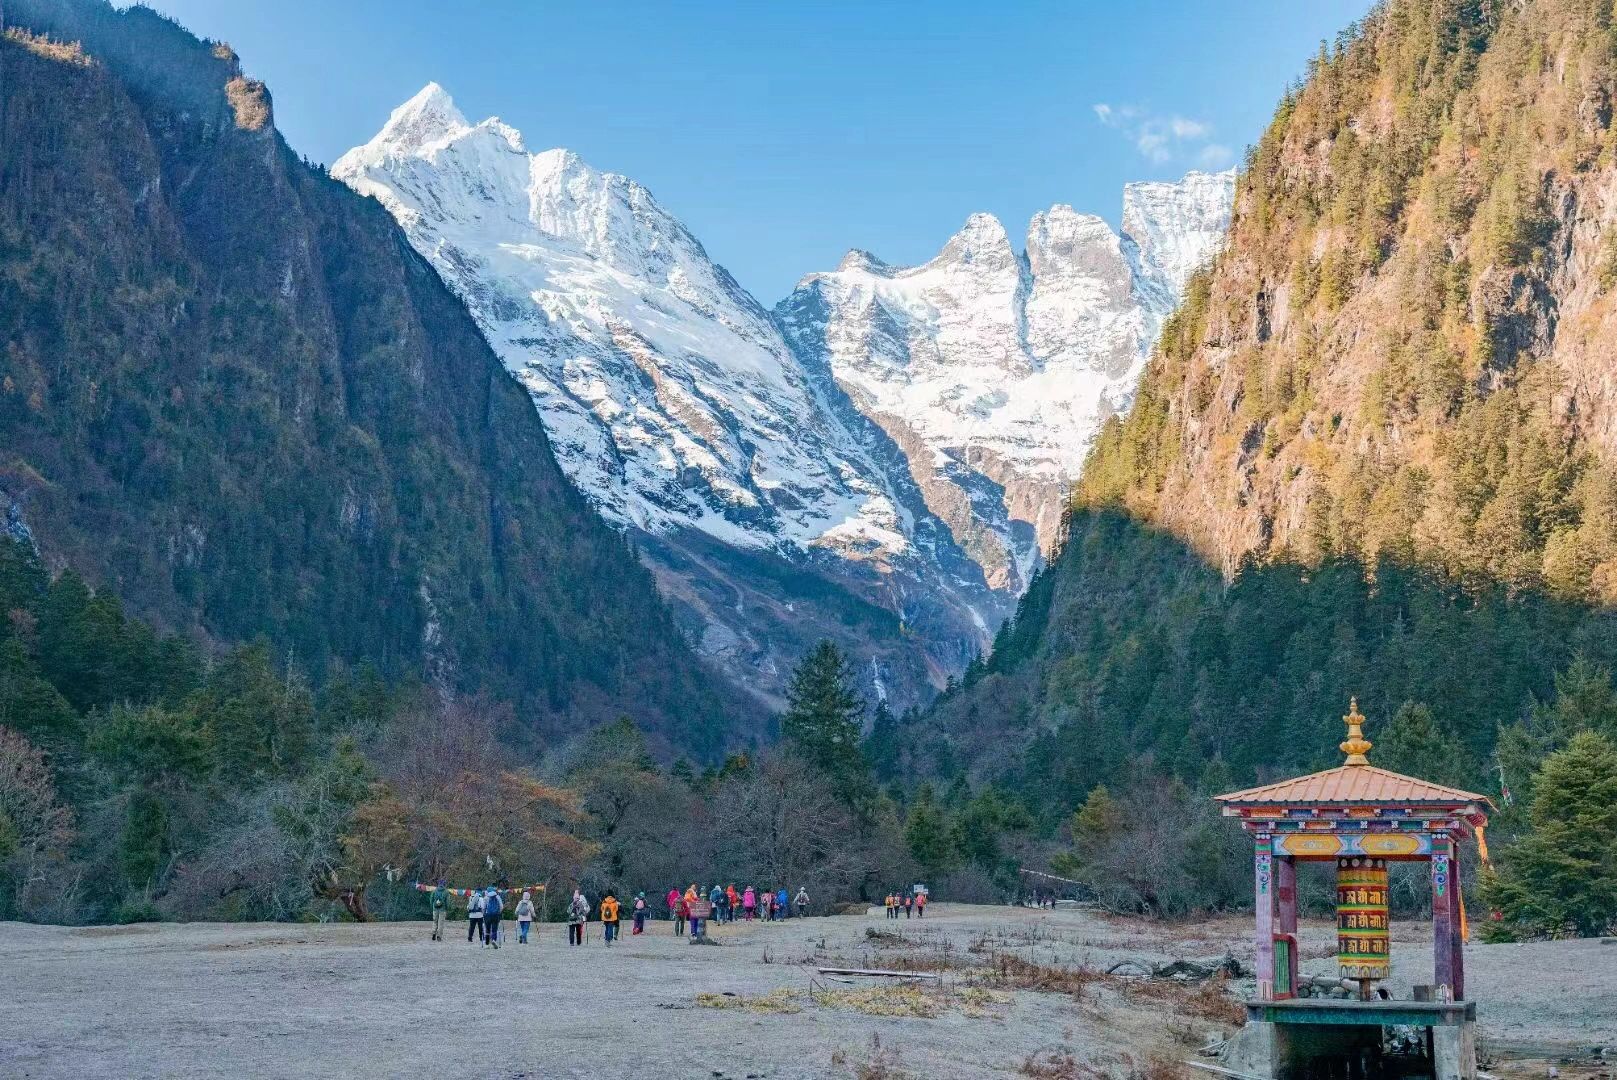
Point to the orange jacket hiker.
(609, 909)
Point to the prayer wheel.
(1361, 918)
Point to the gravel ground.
(204, 1000)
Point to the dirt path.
(381, 1000)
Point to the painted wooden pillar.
(1445, 931)
(1263, 896)
(1286, 918)
(1456, 928)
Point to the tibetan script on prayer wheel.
(1361, 918)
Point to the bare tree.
(35, 827)
(789, 830)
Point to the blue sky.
(785, 133)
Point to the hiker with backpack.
(474, 918)
(492, 907)
(578, 911)
(639, 913)
(440, 910)
(524, 917)
(609, 916)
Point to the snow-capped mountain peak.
(982, 245)
(994, 373)
(909, 433)
(858, 259)
(1172, 229)
(426, 118)
(671, 397)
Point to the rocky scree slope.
(232, 393)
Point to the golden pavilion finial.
(1356, 744)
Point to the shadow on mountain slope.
(1128, 647)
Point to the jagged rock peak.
(858, 259)
(1057, 236)
(427, 117)
(981, 242)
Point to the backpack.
(493, 904)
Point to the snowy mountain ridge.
(906, 434)
(994, 371)
(670, 398)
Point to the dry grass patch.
(1059, 1065)
(1011, 972)
(249, 98)
(780, 1002)
(63, 52)
(878, 1063)
(1157, 1067)
(930, 960)
(1206, 1000)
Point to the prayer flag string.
(422, 886)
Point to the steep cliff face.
(233, 394)
(1406, 349)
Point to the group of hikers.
(486, 908)
(726, 902)
(909, 902)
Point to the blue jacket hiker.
(492, 906)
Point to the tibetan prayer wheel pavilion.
(1361, 818)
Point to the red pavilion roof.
(1352, 784)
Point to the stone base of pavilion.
(1326, 1039)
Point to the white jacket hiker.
(578, 912)
(524, 917)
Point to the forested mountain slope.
(1407, 347)
(1375, 451)
(232, 394)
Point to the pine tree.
(822, 717)
(926, 833)
(1416, 744)
(883, 745)
(145, 839)
(1095, 824)
(1563, 874)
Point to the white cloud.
(1161, 139)
(1153, 145)
(1187, 129)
